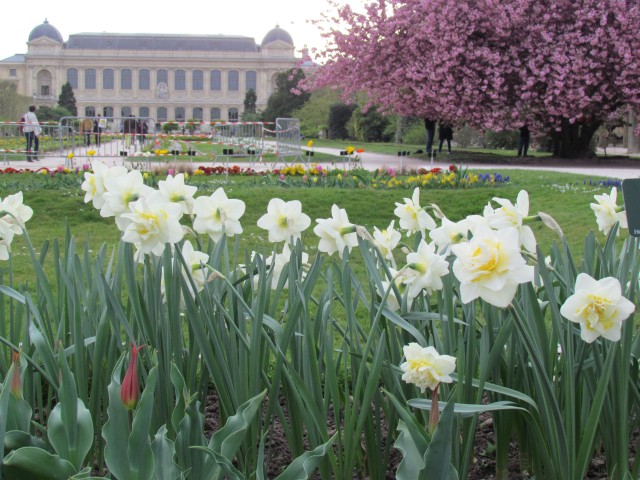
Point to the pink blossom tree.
(561, 66)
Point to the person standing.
(99, 125)
(445, 133)
(86, 127)
(523, 144)
(30, 128)
(430, 126)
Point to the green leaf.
(303, 466)
(16, 439)
(72, 446)
(5, 393)
(437, 459)
(465, 409)
(412, 460)
(35, 464)
(116, 429)
(140, 452)
(163, 452)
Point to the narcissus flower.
(218, 215)
(425, 367)
(598, 306)
(284, 220)
(607, 211)
(173, 189)
(387, 240)
(336, 233)
(425, 270)
(130, 389)
(412, 217)
(510, 215)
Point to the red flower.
(453, 168)
(16, 381)
(436, 170)
(130, 390)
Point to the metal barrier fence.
(288, 141)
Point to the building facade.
(165, 77)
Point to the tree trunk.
(574, 140)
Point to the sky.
(251, 18)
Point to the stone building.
(162, 76)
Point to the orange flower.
(130, 391)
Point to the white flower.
(175, 190)
(607, 213)
(276, 264)
(450, 233)
(598, 306)
(510, 215)
(387, 240)
(412, 217)
(151, 223)
(94, 182)
(490, 266)
(336, 233)
(120, 190)
(218, 215)
(16, 214)
(196, 262)
(6, 237)
(426, 269)
(399, 279)
(284, 220)
(425, 367)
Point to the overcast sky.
(252, 18)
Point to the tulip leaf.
(304, 465)
(465, 409)
(437, 459)
(71, 438)
(140, 452)
(15, 439)
(35, 464)
(164, 450)
(412, 462)
(116, 429)
(4, 407)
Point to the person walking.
(523, 144)
(430, 126)
(99, 124)
(86, 127)
(445, 133)
(31, 129)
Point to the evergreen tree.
(250, 99)
(287, 98)
(67, 99)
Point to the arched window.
(144, 79)
(215, 82)
(144, 112)
(233, 80)
(126, 79)
(233, 114)
(180, 114)
(180, 80)
(72, 77)
(90, 78)
(89, 111)
(107, 79)
(198, 113)
(161, 114)
(197, 80)
(125, 111)
(251, 81)
(215, 114)
(107, 112)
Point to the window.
(162, 76)
(233, 114)
(107, 112)
(197, 81)
(89, 111)
(251, 80)
(90, 78)
(180, 114)
(125, 111)
(107, 79)
(233, 80)
(72, 77)
(161, 114)
(13, 72)
(144, 79)
(216, 80)
(180, 80)
(215, 114)
(143, 112)
(125, 79)
(44, 90)
(198, 113)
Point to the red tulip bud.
(130, 390)
(16, 381)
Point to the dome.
(277, 34)
(46, 30)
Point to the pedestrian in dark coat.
(445, 133)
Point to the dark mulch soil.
(601, 160)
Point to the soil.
(604, 161)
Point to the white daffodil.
(93, 183)
(450, 233)
(196, 263)
(277, 263)
(399, 279)
(425, 367)
(412, 217)
(120, 190)
(218, 215)
(490, 266)
(510, 215)
(15, 213)
(607, 212)
(598, 306)
(151, 223)
(336, 233)
(387, 240)
(175, 190)
(284, 221)
(425, 270)
(6, 237)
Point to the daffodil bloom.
(173, 189)
(425, 367)
(120, 190)
(14, 212)
(277, 263)
(425, 270)
(510, 215)
(196, 263)
(151, 223)
(490, 266)
(336, 233)
(387, 240)
(218, 215)
(412, 216)
(450, 233)
(284, 220)
(598, 306)
(607, 212)
(93, 183)
(399, 279)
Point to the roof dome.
(277, 34)
(46, 30)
